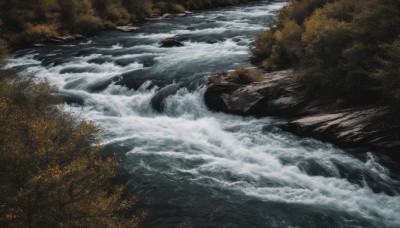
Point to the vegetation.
(344, 49)
(25, 22)
(51, 174)
(241, 76)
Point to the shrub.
(340, 47)
(246, 76)
(38, 33)
(175, 7)
(388, 72)
(52, 176)
(240, 76)
(88, 24)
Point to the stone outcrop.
(277, 94)
(280, 94)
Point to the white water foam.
(188, 142)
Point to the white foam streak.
(247, 156)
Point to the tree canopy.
(346, 48)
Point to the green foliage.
(342, 48)
(51, 174)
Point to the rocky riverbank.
(280, 94)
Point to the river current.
(189, 163)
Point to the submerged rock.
(157, 102)
(170, 42)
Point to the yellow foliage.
(178, 8)
(52, 176)
(339, 44)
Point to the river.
(188, 163)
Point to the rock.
(71, 98)
(279, 93)
(167, 16)
(181, 14)
(359, 126)
(157, 102)
(188, 12)
(39, 45)
(266, 97)
(67, 39)
(155, 18)
(170, 42)
(127, 28)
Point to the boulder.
(266, 97)
(279, 93)
(170, 42)
(370, 126)
(127, 28)
(157, 102)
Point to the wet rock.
(167, 16)
(157, 102)
(67, 39)
(266, 97)
(71, 98)
(39, 45)
(155, 18)
(127, 28)
(359, 126)
(170, 42)
(280, 94)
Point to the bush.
(52, 176)
(245, 76)
(340, 47)
(175, 7)
(241, 76)
(38, 33)
(388, 72)
(88, 24)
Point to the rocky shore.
(374, 126)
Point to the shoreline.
(280, 94)
(68, 38)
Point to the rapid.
(189, 163)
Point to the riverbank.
(375, 125)
(188, 163)
(26, 25)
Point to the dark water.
(187, 162)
